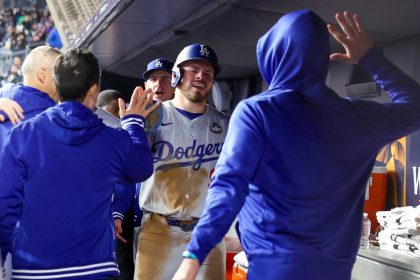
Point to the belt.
(185, 226)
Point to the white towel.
(406, 225)
(387, 235)
(405, 220)
(401, 248)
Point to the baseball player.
(300, 196)
(158, 77)
(185, 145)
(126, 211)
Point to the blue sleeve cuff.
(199, 253)
(189, 255)
(117, 215)
(120, 205)
(129, 120)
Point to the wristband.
(189, 255)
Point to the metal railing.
(71, 16)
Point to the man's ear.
(91, 97)
(41, 75)
(94, 91)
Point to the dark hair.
(75, 71)
(105, 97)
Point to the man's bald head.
(37, 69)
(39, 57)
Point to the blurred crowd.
(21, 29)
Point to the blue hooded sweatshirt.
(58, 171)
(297, 158)
(32, 101)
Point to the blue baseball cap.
(158, 64)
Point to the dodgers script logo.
(204, 51)
(165, 151)
(158, 63)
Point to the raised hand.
(353, 37)
(139, 103)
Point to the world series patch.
(215, 128)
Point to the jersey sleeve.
(229, 187)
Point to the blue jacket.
(32, 101)
(58, 172)
(124, 192)
(54, 39)
(297, 157)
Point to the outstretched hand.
(353, 37)
(12, 110)
(139, 103)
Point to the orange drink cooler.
(229, 264)
(375, 199)
(240, 268)
(239, 272)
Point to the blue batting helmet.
(158, 64)
(194, 52)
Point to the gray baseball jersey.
(184, 154)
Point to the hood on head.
(71, 123)
(294, 53)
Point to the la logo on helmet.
(158, 63)
(204, 51)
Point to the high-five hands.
(139, 103)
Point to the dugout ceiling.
(126, 34)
